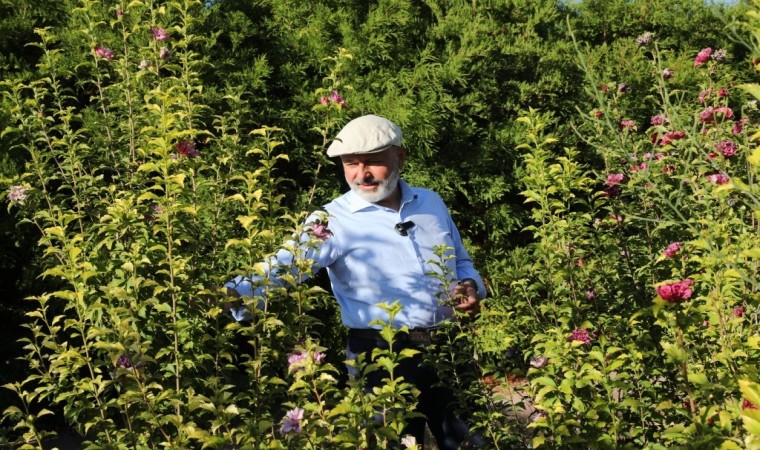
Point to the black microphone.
(403, 228)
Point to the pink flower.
(324, 101)
(119, 13)
(738, 311)
(625, 124)
(187, 149)
(336, 98)
(103, 52)
(675, 292)
(728, 148)
(580, 334)
(590, 294)
(539, 362)
(671, 136)
(672, 249)
(17, 193)
(319, 230)
(737, 128)
(318, 357)
(291, 423)
(615, 178)
(727, 112)
(622, 88)
(297, 360)
(605, 89)
(667, 74)
(598, 113)
(702, 57)
(707, 114)
(718, 178)
(722, 92)
(159, 34)
(703, 95)
(658, 120)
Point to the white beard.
(384, 188)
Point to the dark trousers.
(434, 402)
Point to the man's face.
(374, 176)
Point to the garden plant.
(623, 291)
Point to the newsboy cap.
(365, 134)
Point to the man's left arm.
(470, 288)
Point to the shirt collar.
(356, 203)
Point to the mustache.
(368, 181)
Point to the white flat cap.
(365, 134)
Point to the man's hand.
(465, 295)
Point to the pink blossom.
(590, 294)
(615, 178)
(616, 217)
(703, 95)
(722, 92)
(712, 155)
(707, 114)
(675, 292)
(119, 13)
(580, 334)
(17, 193)
(718, 178)
(624, 124)
(187, 149)
(159, 34)
(336, 98)
(738, 311)
(658, 120)
(324, 101)
(103, 52)
(737, 128)
(297, 360)
(539, 362)
(598, 113)
(671, 136)
(605, 89)
(667, 74)
(728, 148)
(702, 57)
(318, 357)
(291, 423)
(672, 249)
(622, 88)
(319, 230)
(727, 112)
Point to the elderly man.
(378, 245)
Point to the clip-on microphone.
(403, 228)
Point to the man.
(378, 245)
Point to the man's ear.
(401, 156)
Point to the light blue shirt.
(369, 262)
